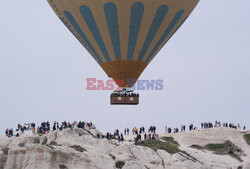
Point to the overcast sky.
(205, 68)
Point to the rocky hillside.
(217, 148)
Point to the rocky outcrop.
(79, 149)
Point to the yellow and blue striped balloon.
(123, 36)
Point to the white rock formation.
(78, 149)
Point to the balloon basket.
(124, 97)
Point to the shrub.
(53, 143)
(44, 141)
(197, 147)
(62, 166)
(5, 150)
(36, 140)
(78, 148)
(21, 144)
(119, 164)
(247, 138)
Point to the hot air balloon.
(123, 36)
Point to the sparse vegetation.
(45, 141)
(168, 145)
(36, 141)
(170, 140)
(53, 143)
(240, 167)
(5, 150)
(62, 166)
(78, 148)
(223, 149)
(119, 164)
(247, 138)
(112, 156)
(21, 144)
(197, 147)
(227, 148)
(236, 156)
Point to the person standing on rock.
(125, 130)
(10, 132)
(238, 126)
(33, 130)
(149, 136)
(153, 137)
(122, 138)
(54, 126)
(119, 138)
(7, 132)
(107, 136)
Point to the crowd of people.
(218, 124)
(117, 94)
(135, 131)
(126, 131)
(145, 136)
(45, 127)
(204, 125)
(116, 135)
(9, 132)
(138, 134)
(142, 135)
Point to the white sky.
(205, 68)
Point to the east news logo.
(95, 84)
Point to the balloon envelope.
(123, 36)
